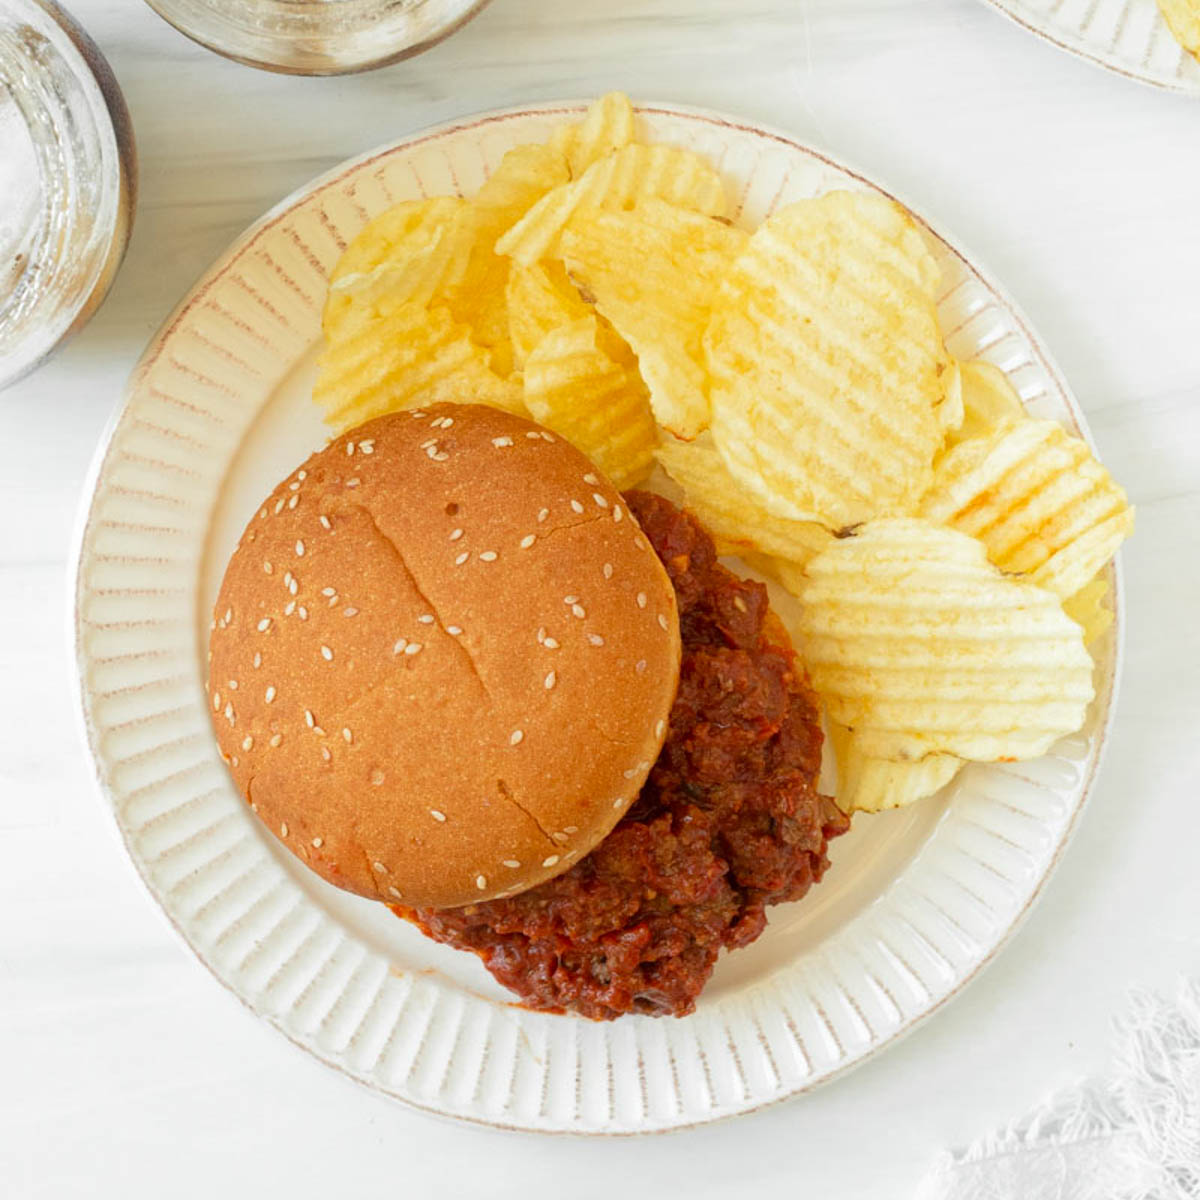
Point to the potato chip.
(951, 411)
(988, 401)
(540, 298)
(403, 359)
(477, 298)
(1037, 499)
(575, 387)
(1183, 18)
(607, 126)
(827, 362)
(618, 181)
(403, 256)
(874, 784)
(921, 646)
(653, 272)
(1087, 609)
(725, 510)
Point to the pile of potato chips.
(945, 548)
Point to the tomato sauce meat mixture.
(728, 822)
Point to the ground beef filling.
(728, 822)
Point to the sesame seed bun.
(442, 658)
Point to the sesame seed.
(279, 506)
(229, 713)
(630, 773)
(350, 612)
(579, 611)
(264, 625)
(268, 568)
(516, 737)
(294, 501)
(481, 882)
(303, 613)
(641, 666)
(302, 475)
(527, 541)
(447, 422)
(595, 639)
(353, 483)
(453, 630)
(488, 556)
(294, 586)
(349, 448)
(326, 754)
(570, 599)
(455, 534)
(412, 648)
(662, 622)
(462, 558)
(617, 513)
(293, 485)
(309, 719)
(541, 635)
(560, 838)
(270, 694)
(512, 863)
(426, 618)
(542, 515)
(430, 444)
(283, 829)
(277, 739)
(216, 701)
(437, 816)
(319, 732)
(608, 570)
(549, 862)
(440, 457)
(640, 542)
(550, 680)
(328, 591)
(228, 615)
(247, 742)
(325, 521)
(257, 661)
(398, 648)
(618, 802)
(367, 446)
(391, 890)
(658, 729)
(418, 412)
(347, 735)
(262, 512)
(233, 685)
(289, 608)
(499, 442)
(600, 500)
(299, 549)
(590, 478)
(576, 506)
(547, 437)
(550, 643)
(377, 777)
(641, 599)
(327, 654)
(379, 868)
(533, 434)
(318, 843)
(570, 829)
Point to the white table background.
(125, 1069)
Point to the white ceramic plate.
(217, 411)
(1130, 37)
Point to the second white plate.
(217, 411)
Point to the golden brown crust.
(453, 651)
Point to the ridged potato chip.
(607, 126)
(988, 401)
(827, 363)
(403, 359)
(403, 256)
(874, 784)
(1087, 609)
(653, 272)
(618, 181)
(540, 298)
(1037, 499)
(918, 644)
(477, 297)
(725, 510)
(575, 386)
(1183, 17)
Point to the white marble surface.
(124, 1069)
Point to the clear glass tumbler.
(67, 181)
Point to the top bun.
(443, 658)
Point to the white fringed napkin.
(1132, 1136)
